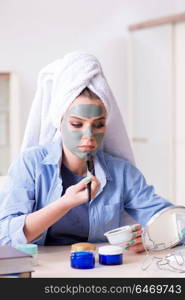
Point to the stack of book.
(15, 263)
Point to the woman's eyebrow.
(99, 118)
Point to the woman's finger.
(136, 234)
(95, 184)
(136, 227)
(137, 248)
(134, 242)
(135, 245)
(81, 185)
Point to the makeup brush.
(90, 168)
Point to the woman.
(45, 200)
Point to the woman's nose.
(88, 132)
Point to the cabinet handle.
(139, 140)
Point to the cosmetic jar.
(110, 255)
(82, 260)
(77, 247)
(31, 249)
(119, 235)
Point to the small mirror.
(165, 229)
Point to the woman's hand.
(135, 244)
(42, 219)
(77, 194)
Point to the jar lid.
(83, 247)
(110, 250)
(81, 253)
(28, 248)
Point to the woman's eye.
(76, 125)
(99, 125)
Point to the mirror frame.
(161, 212)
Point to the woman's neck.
(73, 163)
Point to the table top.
(54, 261)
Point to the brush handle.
(90, 165)
(89, 191)
(90, 168)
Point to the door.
(152, 106)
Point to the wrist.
(64, 203)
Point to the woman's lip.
(86, 147)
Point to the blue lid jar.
(110, 255)
(82, 260)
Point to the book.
(15, 261)
(17, 275)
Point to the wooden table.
(54, 261)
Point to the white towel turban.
(59, 83)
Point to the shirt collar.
(54, 153)
(101, 168)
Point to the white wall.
(34, 33)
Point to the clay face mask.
(72, 138)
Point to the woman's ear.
(61, 124)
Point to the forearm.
(38, 221)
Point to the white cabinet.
(157, 105)
(9, 120)
(4, 122)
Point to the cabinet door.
(9, 120)
(179, 33)
(4, 122)
(151, 106)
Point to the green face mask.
(72, 138)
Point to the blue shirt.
(34, 181)
(73, 227)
